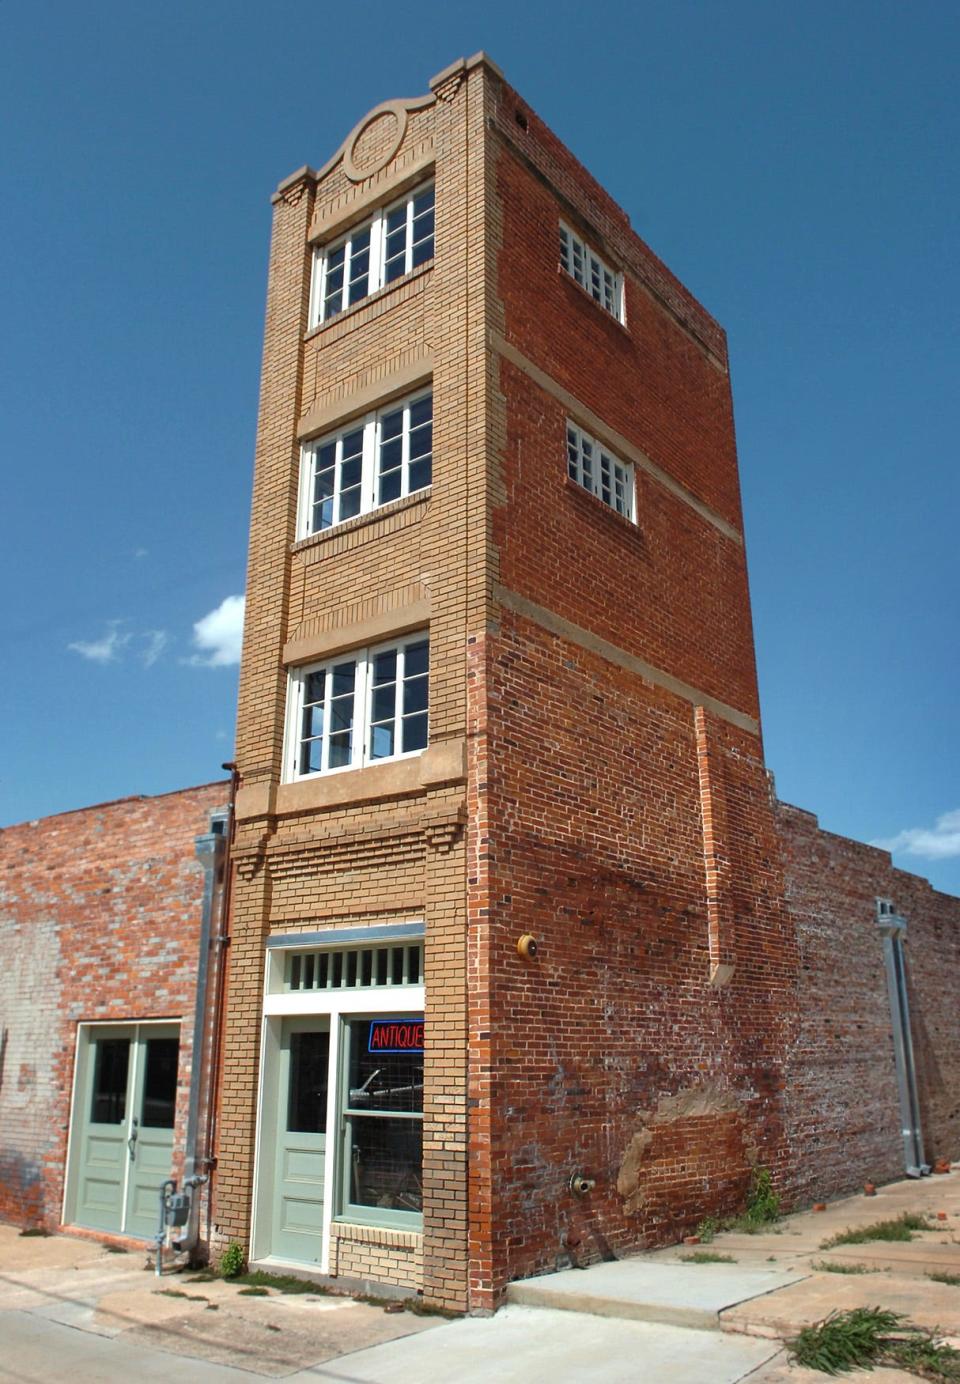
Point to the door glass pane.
(307, 1092)
(160, 1083)
(109, 1103)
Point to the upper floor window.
(599, 471)
(590, 272)
(359, 708)
(375, 459)
(395, 240)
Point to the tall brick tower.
(498, 683)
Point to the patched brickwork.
(843, 1110)
(100, 914)
(378, 1256)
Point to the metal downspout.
(893, 928)
(222, 942)
(211, 852)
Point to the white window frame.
(596, 469)
(594, 275)
(372, 427)
(377, 225)
(362, 724)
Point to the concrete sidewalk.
(70, 1306)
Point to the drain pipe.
(893, 928)
(211, 851)
(222, 942)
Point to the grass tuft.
(952, 1279)
(707, 1229)
(282, 1282)
(901, 1228)
(824, 1266)
(232, 1260)
(707, 1256)
(254, 1292)
(869, 1336)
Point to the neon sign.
(395, 1035)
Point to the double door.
(122, 1133)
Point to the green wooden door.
(101, 1127)
(123, 1126)
(150, 1141)
(303, 1079)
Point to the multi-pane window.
(374, 460)
(395, 240)
(365, 706)
(590, 272)
(599, 471)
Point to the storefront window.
(383, 1120)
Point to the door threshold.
(299, 1266)
(110, 1238)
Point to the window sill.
(441, 763)
(376, 297)
(582, 293)
(359, 521)
(354, 1227)
(601, 508)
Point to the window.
(395, 240)
(600, 472)
(590, 272)
(355, 967)
(382, 1107)
(374, 460)
(362, 707)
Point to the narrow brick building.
(509, 910)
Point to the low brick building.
(511, 903)
(843, 1107)
(100, 923)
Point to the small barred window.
(599, 471)
(591, 273)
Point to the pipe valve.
(580, 1185)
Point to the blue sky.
(794, 164)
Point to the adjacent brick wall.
(843, 1110)
(99, 921)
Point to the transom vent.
(356, 968)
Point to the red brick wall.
(99, 920)
(843, 1111)
(611, 1053)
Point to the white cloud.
(107, 649)
(939, 842)
(156, 642)
(114, 644)
(219, 634)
